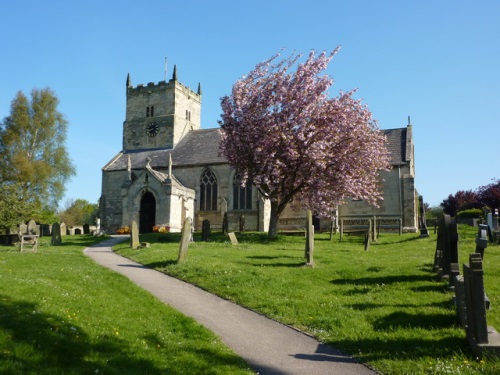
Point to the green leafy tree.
(79, 212)
(33, 155)
(13, 208)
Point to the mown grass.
(60, 313)
(384, 306)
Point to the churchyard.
(387, 305)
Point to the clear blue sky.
(436, 61)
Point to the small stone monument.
(56, 234)
(185, 239)
(134, 236)
(205, 230)
(424, 232)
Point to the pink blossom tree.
(282, 131)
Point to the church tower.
(159, 115)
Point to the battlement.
(162, 85)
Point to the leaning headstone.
(482, 239)
(232, 237)
(205, 230)
(56, 234)
(185, 239)
(309, 239)
(134, 236)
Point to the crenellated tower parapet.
(159, 114)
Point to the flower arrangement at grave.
(123, 230)
(161, 229)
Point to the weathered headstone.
(185, 239)
(225, 224)
(205, 230)
(134, 236)
(482, 239)
(423, 225)
(56, 234)
(242, 223)
(23, 228)
(446, 256)
(232, 237)
(32, 229)
(63, 229)
(309, 239)
(477, 331)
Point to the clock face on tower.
(152, 129)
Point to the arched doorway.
(147, 213)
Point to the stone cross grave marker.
(56, 234)
(134, 236)
(185, 240)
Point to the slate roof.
(396, 144)
(201, 147)
(198, 147)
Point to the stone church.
(169, 169)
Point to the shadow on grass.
(44, 343)
(403, 320)
(376, 349)
(390, 279)
(160, 265)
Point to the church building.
(169, 169)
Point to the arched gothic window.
(208, 191)
(242, 195)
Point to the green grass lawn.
(60, 313)
(383, 306)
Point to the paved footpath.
(268, 347)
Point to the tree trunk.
(273, 220)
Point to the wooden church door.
(147, 213)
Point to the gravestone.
(45, 230)
(23, 228)
(205, 230)
(309, 239)
(134, 236)
(422, 222)
(480, 337)
(373, 229)
(482, 239)
(225, 224)
(242, 223)
(232, 237)
(56, 234)
(86, 229)
(32, 229)
(63, 229)
(446, 256)
(185, 239)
